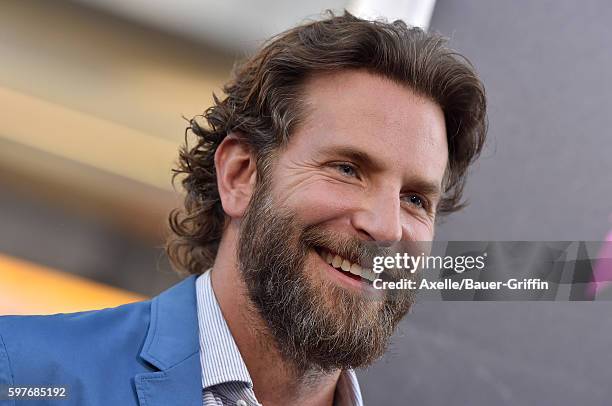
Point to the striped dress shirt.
(225, 378)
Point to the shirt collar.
(348, 392)
(219, 355)
(220, 358)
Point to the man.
(335, 140)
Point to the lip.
(344, 280)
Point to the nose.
(379, 218)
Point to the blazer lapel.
(172, 346)
(179, 385)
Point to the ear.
(236, 175)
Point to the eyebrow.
(356, 155)
(430, 188)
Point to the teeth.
(368, 274)
(336, 262)
(329, 257)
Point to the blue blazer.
(144, 353)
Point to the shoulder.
(73, 328)
(73, 323)
(39, 346)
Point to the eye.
(416, 201)
(347, 169)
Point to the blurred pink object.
(602, 271)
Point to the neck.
(275, 380)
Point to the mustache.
(348, 247)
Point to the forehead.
(377, 116)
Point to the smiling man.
(336, 137)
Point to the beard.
(316, 325)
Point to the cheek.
(323, 201)
(417, 230)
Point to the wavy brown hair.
(262, 106)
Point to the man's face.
(364, 168)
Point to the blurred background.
(93, 95)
